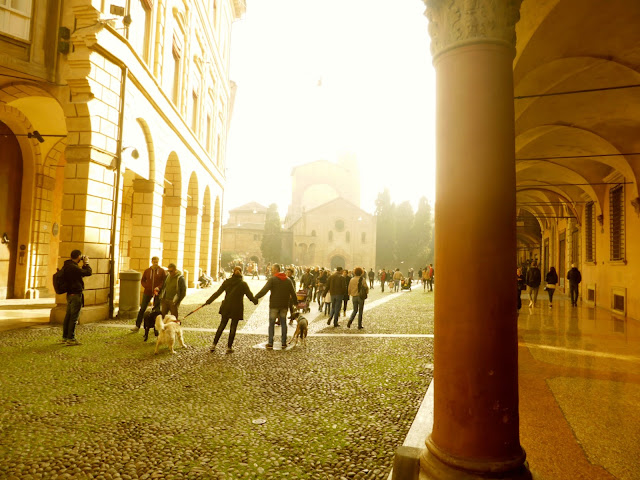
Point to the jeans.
(280, 313)
(358, 307)
(74, 305)
(396, 285)
(168, 306)
(371, 283)
(382, 285)
(573, 290)
(430, 285)
(533, 294)
(551, 291)
(336, 303)
(143, 306)
(232, 330)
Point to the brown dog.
(302, 328)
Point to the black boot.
(146, 334)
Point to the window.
(194, 111)
(575, 246)
(15, 18)
(590, 232)
(363, 238)
(208, 133)
(339, 225)
(313, 233)
(616, 214)
(331, 235)
(140, 29)
(347, 237)
(173, 72)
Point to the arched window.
(364, 237)
(348, 237)
(339, 225)
(313, 233)
(331, 235)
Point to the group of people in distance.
(530, 279)
(167, 289)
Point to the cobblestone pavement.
(336, 408)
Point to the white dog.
(168, 330)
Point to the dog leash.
(195, 310)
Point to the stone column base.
(90, 314)
(432, 468)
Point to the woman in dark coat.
(552, 281)
(232, 306)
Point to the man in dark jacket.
(574, 278)
(338, 289)
(534, 278)
(372, 277)
(232, 307)
(174, 289)
(282, 292)
(73, 277)
(152, 281)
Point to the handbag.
(549, 286)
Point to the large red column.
(476, 422)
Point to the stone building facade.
(242, 234)
(327, 225)
(113, 120)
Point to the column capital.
(455, 23)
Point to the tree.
(423, 234)
(385, 230)
(404, 241)
(271, 246)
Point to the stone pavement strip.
(335, 408)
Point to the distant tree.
(423, 234)
(405, 242)
(271, 246)
(385, 231)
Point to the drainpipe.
(116, 195)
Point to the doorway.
(10, 193)
(337, 261)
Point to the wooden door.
(10, 191)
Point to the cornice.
(456, 23)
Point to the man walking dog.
(152, 281)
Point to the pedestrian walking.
(522, 285)
(337, 289)
(575, 277)
(551, 280)
(232, 307)
(383, 278)
(152, 281)
(345, 298)
(357, 285)
(73, 278)
(173, 291)
(372, 276)
(282, 292)
(534, 278)
(397, 278)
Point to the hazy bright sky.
(376, 99)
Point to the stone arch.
(47, 219)
(21, 262)
(206, 232)
(173, 212)
(192, 231)
(215, 243)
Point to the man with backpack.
(69, 280)
(534, 278)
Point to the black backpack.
(60, 281)
(363, 290)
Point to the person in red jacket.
(152, 280)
